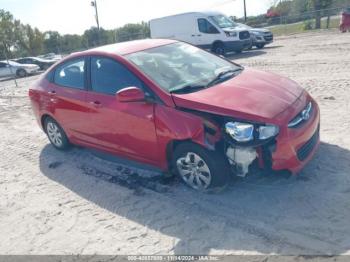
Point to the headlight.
(232, 34)
(241, 132)
(257, 33)
(268, 131)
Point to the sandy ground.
(68, 203)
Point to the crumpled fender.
(176, 125)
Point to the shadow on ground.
(245, 54)
(307, 214)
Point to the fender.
(173, 125)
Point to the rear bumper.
(296, 147)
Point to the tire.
(219, 49)
(45, 67)
(199, 168)
(260, 46)
(21, 73)
(56, 134)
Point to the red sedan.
(179, 108)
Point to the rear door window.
(71, 74)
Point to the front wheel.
(219, 49)
(200, 168)
(56, 134)
(260, 46)
(21, 73)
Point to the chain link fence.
(297, 22)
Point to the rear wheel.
(200, 168)
(56, 134)
(21, 73)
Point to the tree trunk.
(318, 20)
(317, 7)
(328, 21)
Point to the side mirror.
(130, 94)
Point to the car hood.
(260, 30)
(252, 95)
(234, 29)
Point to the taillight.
(31, 93)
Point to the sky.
(75, 16)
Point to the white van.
(208, 30)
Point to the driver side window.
(108, 76)
(206, 27)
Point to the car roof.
(129, 47)
(203, 13)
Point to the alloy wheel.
(54, 134)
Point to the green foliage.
(17, 39)
(308, 25)
(132, 31)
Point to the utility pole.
(245, 11)
(94, 4)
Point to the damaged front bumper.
(296, 146)
(291, 150)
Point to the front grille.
(306, 149)
(268, 38)
(244, 35)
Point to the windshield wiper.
(187, 88)
(221, 75)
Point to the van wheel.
(199, 168)
(56, 134)
(260, 46)
(21, 73)
(219, 49)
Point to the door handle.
(96, 103)
(199, 35)
(193, 35)
(53, 92)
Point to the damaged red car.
(179, 108)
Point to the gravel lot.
(71, 203)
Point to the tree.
(317, 5)
(52, 42)
(132, 31)
(6, 32)
(17, 39)
(69, 43)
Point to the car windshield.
(180, 66)
(12, 63)
(244, 26)
(223, 21)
